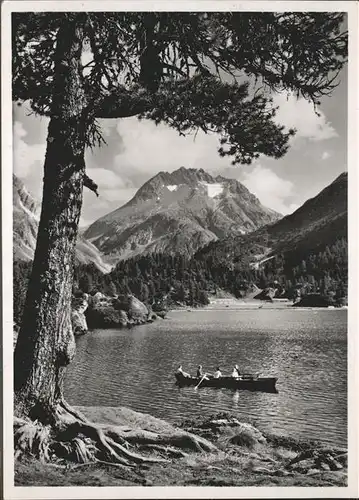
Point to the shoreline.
(242, 456)
(232, 304)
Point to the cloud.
(273, 191)
(84, 223)
(108, 125)
(326, 155)
(105, 178)
(113, 193)
(292, 208)
(19, 130)
(120, 196)
(149, 148)
(27, 158)
(300, 114)
(110, 198)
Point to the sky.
(138, 150)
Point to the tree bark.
(46, 343)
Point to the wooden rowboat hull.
(262, 384)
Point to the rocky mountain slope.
(26, 215)
(26, 212)
(180, 211)
(320, 221)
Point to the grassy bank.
(244, 456)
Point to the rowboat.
(245, 382)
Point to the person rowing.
(180, 372)
(236, 372)
(202, 376)
(200, 373)
(217, 373)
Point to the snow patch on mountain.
(174, 187)
(213, 190)
(34, 215)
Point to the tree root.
(71, 437)
(72, 411)
(165, 449)
(31, 438)
(180, 439)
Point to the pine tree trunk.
(46, 343)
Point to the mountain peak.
(189, 177)
(178, 212)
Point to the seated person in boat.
(217, 373)
(200, 373)
(236, 372)
(181, 373)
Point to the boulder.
(229, 429)
(267, 294)
(152, 317)
(323, 465)
(114, 312)
(79, 323)
(303, 465)
(247, 435)
(138, 310)
(99, 299)
(313, 471)
(315, 300)
(103, 316)
(123, 319)
(342, 459)
(135, 309)
(160, 306)
(78, 318)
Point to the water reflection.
(306, 351)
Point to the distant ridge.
(320, 221)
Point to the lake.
(305, 349)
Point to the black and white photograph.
(179, 308)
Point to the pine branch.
(90, 184)
(246, 125)
(122, 103)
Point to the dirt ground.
(244, 456)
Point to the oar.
(200, 382)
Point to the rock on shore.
(116, 312)
(101, 311)
(78, 318)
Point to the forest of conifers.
(175, 279)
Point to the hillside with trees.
(165, 281)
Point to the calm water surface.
(305, 349)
